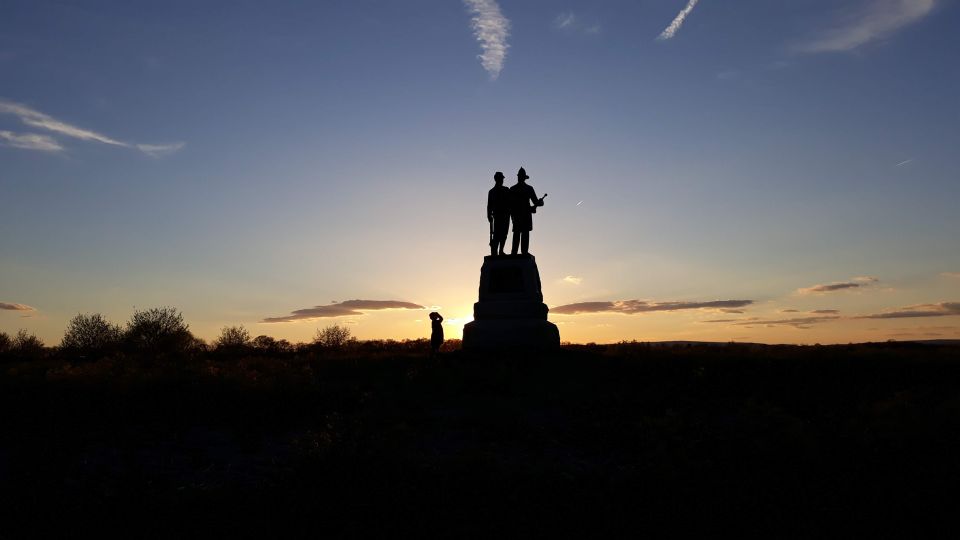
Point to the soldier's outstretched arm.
(534, 199)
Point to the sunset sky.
(781, 172)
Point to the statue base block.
(511, 313)
(511, 334)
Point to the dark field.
(592, 441)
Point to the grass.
(592, 440)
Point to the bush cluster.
(161, 331)
(23, 346)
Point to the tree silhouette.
(158, 330)
(91, 335)
(333, 337)
(232, 338)
(267, 344)
(26, 346)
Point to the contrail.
(491, 29)
(671, 30)
(904, 162)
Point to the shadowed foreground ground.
(592, 441)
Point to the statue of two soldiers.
(518, 203)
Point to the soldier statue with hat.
(522, 196)
(498, 214)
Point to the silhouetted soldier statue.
(498, 214)
(521, 196)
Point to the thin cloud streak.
(876, 19)
(29, 141)
(343, 309)
(674, 26)
(34, 118)
(40, 120)
(942, 309)
(858, 282)
(802, 323)
(160, 150)
(630, 307)
(491, 29)
(10, 306)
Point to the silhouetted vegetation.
(374, 439)
(24, 346)
(91, 336)
(271, 346)
(333, 338)
(233, 339)
(158, 331)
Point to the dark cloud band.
(630, 307)
(342, 309)
(15, 307)
(943, 309)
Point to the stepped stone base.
(510, 313)
(511, 334)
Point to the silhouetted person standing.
(436, 335)
(498, 214)
(521, 197)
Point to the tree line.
(162, 331)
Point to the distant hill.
(938, 342)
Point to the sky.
(747, 170)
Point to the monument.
(510, 313)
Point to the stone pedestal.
(511, 313)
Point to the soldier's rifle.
(534, 211)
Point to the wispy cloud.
(570, 22)
(674, 26)
(40, 120)
(802, 323)
(160, 150)
(34, 118)
(573, 280)
(942, 309)
(29, 141)
(859, 282)
(955, 275)
(874, 19)
(490, 28)
(630, 307)
(565, 20)
(904, 162)
(342, 309)
(9, 306)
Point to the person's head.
(498, 178)
(434, 315)
(522, 175)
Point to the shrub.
(26, 346)
(91, 335)
(333, 337)
(269, 345)
(158, 330)
(4, 342)
(232, 338)
(197, 345)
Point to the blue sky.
(244, 160)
